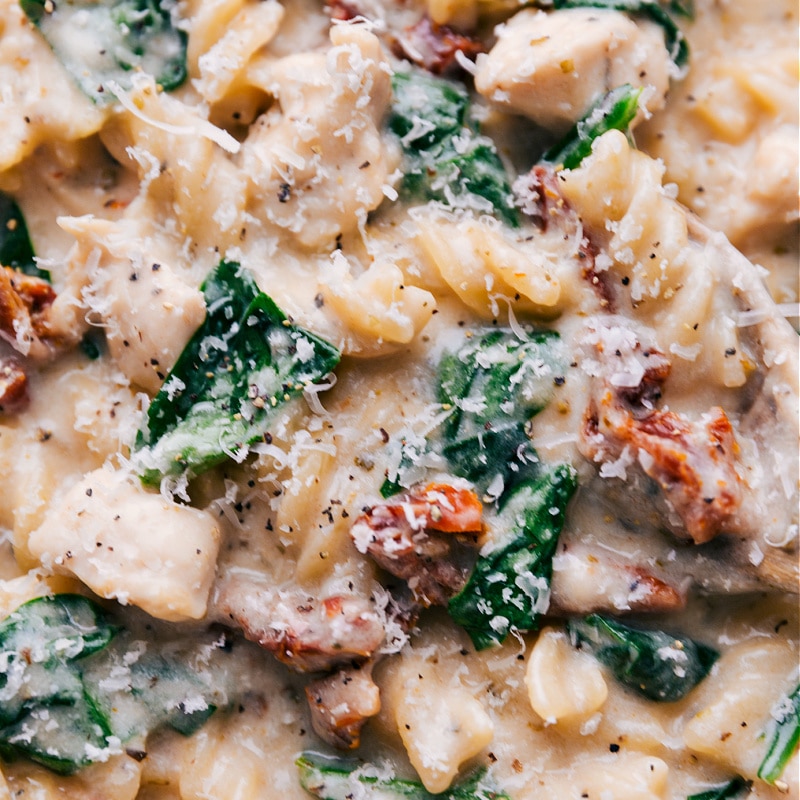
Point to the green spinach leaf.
(785, 735)
(62, 737)
(426, 111)
(727, 791)
(158, 689)
(495, 460)
(44, 711)
(497, 375)
(105, 41)
(339, 779)
(614, 111)
(489, 388)
(73, 684)
(510, 587)
(16, 249)
(445, 158)
(242, 364)
(494, 384)
(655, 664)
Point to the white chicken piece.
(552, 67)
(315, 161)
(127, 543)
(148, 311)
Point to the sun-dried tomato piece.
(342, 10)
(306, 633)
(694, 464)
(434, 47)
(24, 311)
(427, 537)
(649, 593)
(13, 386)
(693, 461)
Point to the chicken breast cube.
(132, 545)
(552, 67)
(148, 310)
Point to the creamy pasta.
(398, 400)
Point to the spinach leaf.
(338, 779)
(426, 111)
(683, 8)
(674, 39)
(494, 384)
(489, 389)
(16, 249)
(73, 683)
(726, 791)
(414, 454)
(107, 40)
(41, 639)
(614, 111)
(495, 460)
(62, 737)
(653, 663)
(510, 587)
(497, 375)
(445, 158)
(785, 736)
(44, 711)
(159, 688)
(64, 626)
(92, 346)
(244, 362)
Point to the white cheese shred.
(201, 127)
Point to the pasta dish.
(399, 400)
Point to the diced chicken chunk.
(127, 543)
(149, 313)
(40, 103)
(316, 161)
(551, 67)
